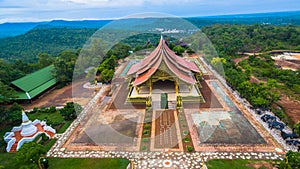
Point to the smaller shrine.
(26, 132)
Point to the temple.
(164, 72)
(26, 132)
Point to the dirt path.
(292, 107)
(237, 60)
(58, 97)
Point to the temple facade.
(164, 72)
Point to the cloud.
(78, 9)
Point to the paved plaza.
(220, 128)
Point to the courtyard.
(110, 127)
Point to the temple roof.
(182, 68)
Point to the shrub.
(186, 139)
(144, 148)
(146, 132)
(147, 127)
(189, 148)
(292, 160)
(30, 153)
(44, 137)
(69, 112)
(34, 110)
(297, 128)
(145, 140)
(52, 109)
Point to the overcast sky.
(40, 10)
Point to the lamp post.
(44, 162)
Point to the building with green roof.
(34, 84)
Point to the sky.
(45, 10)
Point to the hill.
(39, 40)
(59, 35)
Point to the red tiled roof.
(147, 67)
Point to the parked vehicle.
(292, 135)
(293, 142)
(259, 112)
(267, 117)
(277, 125)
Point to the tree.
(44, 59)
(70, 111)
(106, 75)
(297, 128)
(259, 102)
(178, 50)
(9, 73)
(218, 64)
(6, 93)
(292, 161)
(91, 73)
(64, 67)
(14, 114)
(30, 153)
(120, 50)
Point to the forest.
(59, 46)
(232, 41)
(26, 47)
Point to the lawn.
(8, 161)
(64, 127)
(87, 163)
(55, 119)
(239, 164)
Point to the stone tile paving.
(155, 159)
(275, 133)
(62, 138)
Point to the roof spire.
(24, 117)
(161, 37)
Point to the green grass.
(53, 117)
(50, 144)
(87, 163)
(232, 164)
(8, 161)
(64, 127)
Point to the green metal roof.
(35, 83)
(20, 96)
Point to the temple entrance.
(166, 86)
(164, 101)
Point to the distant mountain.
(14, 29)
(274, 18)
(75, 24)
